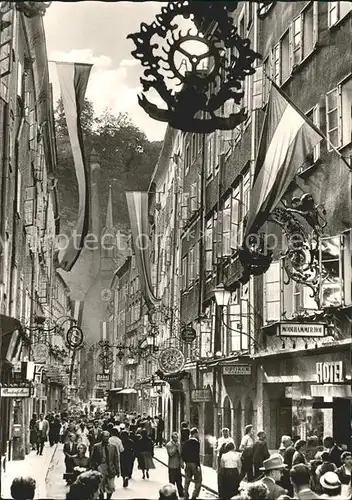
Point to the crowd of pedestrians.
(101, 447)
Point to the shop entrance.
(342, 421)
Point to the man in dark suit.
(191, 456)
(334, 451)
(272, 468)
(94, 435)
(105, 459)
(300, 479)
(260, 453)
(70, 451)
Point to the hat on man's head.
(275, 461)
(330, 481)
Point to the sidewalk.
(210, 477)
(35, 466)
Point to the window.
(314, 116)
(277, 64)
(257, 94)
(296, 42)
(237, 320)
(184, 273)
(236, 236)
(196, 260)
(285, 57)
(217, 148)
(210, 155)
(337, 10)
(338, 115)
(19, 193)
(272, 282)
(209, 245)
(331, 272)
(226, 227)
(215, 238)
(187, 158)
(310, 28)
(184, 207)
(19, 79)
(191, 274)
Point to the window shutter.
(184, 206)
(19, 193)
(290, 47)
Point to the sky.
(95, 32)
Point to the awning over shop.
(128, 391)
(116, 389)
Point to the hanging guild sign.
(74, 337)
(40, 353)
(171, 360)
(199, 86)
(188, 334)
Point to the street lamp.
(222, 296)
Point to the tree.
(87, 118)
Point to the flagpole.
(334, 148)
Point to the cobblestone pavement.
(138, 488)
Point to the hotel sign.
(330, 372)
(237, 370)
(301, 329)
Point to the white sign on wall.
(330, 372)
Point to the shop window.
(337, 11)
(338, 115)
(272, 292)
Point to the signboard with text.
(201, 395)
(237, 370)
(330, 372)
(301, 329)
(15, 392)
(102, 377)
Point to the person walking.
(105, 460)
(173, 449)
(301, 478)
(42, 433)
(260, 453)
(126, 457)
(246, 447)
(299, 457)
(82, 434)
(223, 440)
(272, 468)
(70, 451)
(33, 436)
(80, 463)
(56, 427)
(145, 454)
(230, 466)
(94, 435)
(190, 454)
(160, 431)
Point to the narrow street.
(138, 488)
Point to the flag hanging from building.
(137, 203)
(103, 330)
(77, 308)
(73, 78)
(288, 136)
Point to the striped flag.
(137, 203)
(287, 138)
(73, 78)
(77, 308)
